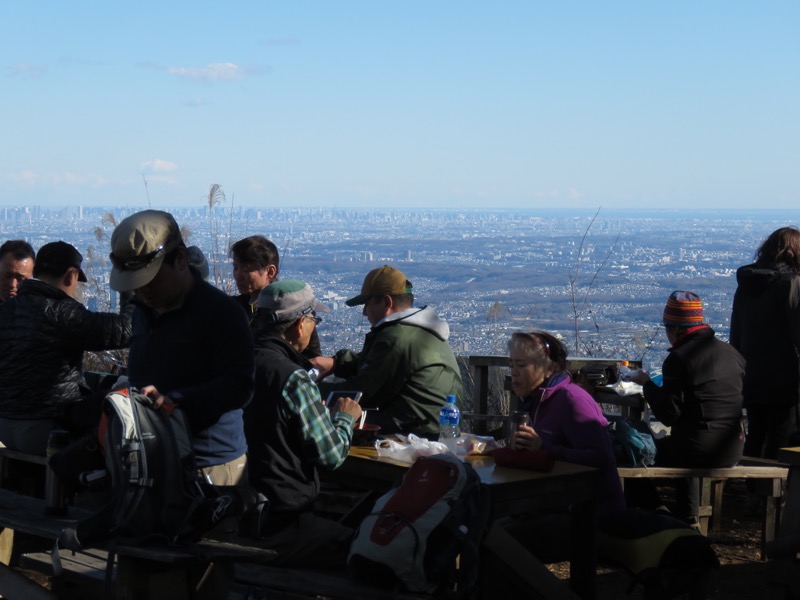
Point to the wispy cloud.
(194, 102)
(226, 71)
(158, 166)
(26, 71)
(28, 178)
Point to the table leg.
(583, 550)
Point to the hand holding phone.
(333, 397)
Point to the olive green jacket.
(406, 369)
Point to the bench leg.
(717, 490)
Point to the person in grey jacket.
(44, 332)
(406, 369)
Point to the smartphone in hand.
(333, 397)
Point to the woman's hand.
(641, 377)
(526, 438)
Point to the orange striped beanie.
(683, 309)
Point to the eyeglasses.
(310, 313)
(135, 263)
(317, 320)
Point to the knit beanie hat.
(683, 309)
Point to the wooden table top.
(789, 455)
(512, 490)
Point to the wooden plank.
(91, 564)
(22, 456)
(738, 472)
(204, 550)
(308, 583)
(26, 514)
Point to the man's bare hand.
(159, 400)
(324, 365)
(349, 407)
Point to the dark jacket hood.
(756, 278)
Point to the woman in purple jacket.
(565, 419)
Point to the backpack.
(662, 554)
(157, 493)
(418, 529)
(633, 443)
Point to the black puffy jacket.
(43, 334)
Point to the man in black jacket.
(700, 399)
(44, 332)
(16, 265)
(191, 344)
(291, 434)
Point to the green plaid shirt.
(326, 436)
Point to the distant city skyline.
(679, 106)
(488, 273)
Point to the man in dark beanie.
(701, 399)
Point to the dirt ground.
(742, 573)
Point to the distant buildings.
(464, 263)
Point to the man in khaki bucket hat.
(191, 344)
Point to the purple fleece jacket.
(573, 428)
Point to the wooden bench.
(8, 456)
(83, 573)
(276, 583)
(150, 572)
(769, 478)
(38, 480)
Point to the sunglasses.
(135, 263)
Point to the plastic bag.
(626, 388)
(478, 444)
(409, 449)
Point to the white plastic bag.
(409, 450)
(626, 388)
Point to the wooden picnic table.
(512, 492)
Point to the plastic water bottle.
(449, 420)
(656, 376)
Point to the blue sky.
(502, 104)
